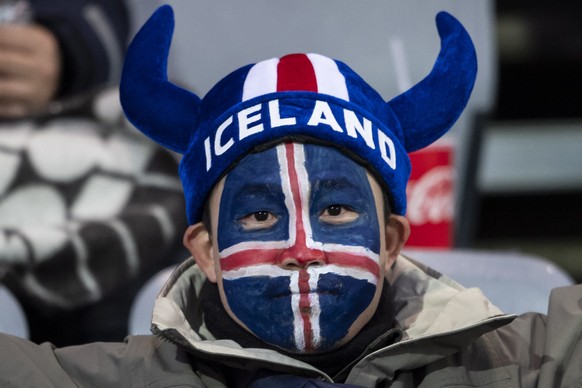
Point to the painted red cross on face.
(299, 241)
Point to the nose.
(299, 256)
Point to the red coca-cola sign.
(430, 195)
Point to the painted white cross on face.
(298, 236)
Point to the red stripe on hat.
(295, 72)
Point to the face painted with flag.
(298, 246)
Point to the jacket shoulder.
(138, 362)
(155, 361)
(546, 348)
(534, 350)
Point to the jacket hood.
(429, 306)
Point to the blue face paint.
(254, 185)
(339, 180)
(299, 241)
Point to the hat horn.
(161, 110)
(431, 107)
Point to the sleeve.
(140, 361)
(546, 348)
(82, 225)
(562, 359)
(92, 34)
(26, 364)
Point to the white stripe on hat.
(261, 79)
(329, 79)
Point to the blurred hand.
(30, 69)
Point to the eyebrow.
(260, 187)
(333, 183)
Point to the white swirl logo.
(430, 198)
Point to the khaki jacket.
(452, 337)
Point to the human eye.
(338, 214)
(261, 219)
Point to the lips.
(316, 292)
(322, 289)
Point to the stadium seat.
(513, 281)
(141, 309)
(12, 318)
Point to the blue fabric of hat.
(298, 97)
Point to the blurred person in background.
(88, 207)
(56, 49)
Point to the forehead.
(321, 163)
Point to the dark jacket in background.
(93, 35)
(94, 208)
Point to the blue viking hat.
(303, 97)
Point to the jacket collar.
(435, 313)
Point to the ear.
(197, 241)
(397, 233)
